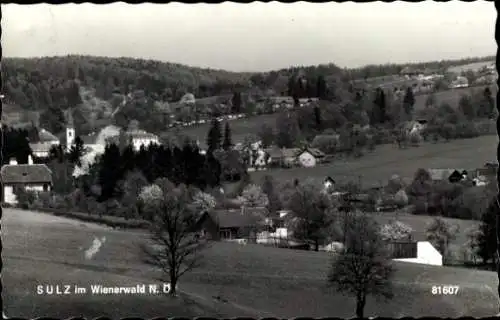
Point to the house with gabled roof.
(229, 225)
(310, 157)
(45, 136)
(30, 177)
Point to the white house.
(307, 160)
(141, 138)
(261, 160)
(459, 82)
(426, 254)
(310, 157)
(138, 138)
(328, 184)
(41, 149)
(32, 177)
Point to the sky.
(256, 36)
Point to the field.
(471, 66)
(243, 127)
(40, 249)
(239, 128)
(256, 281)
(451, 96)
(376, 168)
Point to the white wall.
(9, 196)
(70, 137)
(273, 237)
(307, 160)
(35, 187)
(41, 154)
(426, 254)
(332, 247)
(137, 143)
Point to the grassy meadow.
(252, 280)
(471, 66)
(377, 167)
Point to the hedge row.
(114, 222)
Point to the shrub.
(415, 139)
(466, 130)
(486, 127)
(382, 136)
(447, 131)
(112, 208)
(326, 143)
(401, 198)
(395, 230)
(25, 198)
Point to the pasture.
(452, 96)
(240, 128)
(471, 66)
(256, 281)
(376, 168)
(40, 249)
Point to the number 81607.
(445, 290)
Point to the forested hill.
(37, 83)
(95, 88)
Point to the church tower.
(70, 130)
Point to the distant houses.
(288, 157)
(459, 82)
(141, 138)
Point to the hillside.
(95, 87)
(36, 83)
(262, 281)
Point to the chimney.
(13, 161)
(30, 159)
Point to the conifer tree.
(214, 136)
(227, 137)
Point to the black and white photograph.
(249, 160)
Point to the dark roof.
(89, 139)
(233, 218)
(26, 173)
(490, 171)
(274, 152)
(259, 212)
(69, 118)
(315, 152)
(329, 179)
(45, 136)
(291, 152)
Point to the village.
(248, 170)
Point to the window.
(45, 187)
(225, 234)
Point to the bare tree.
(176, 245)
(364, 267)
